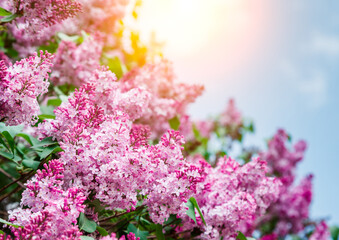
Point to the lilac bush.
(96, 141)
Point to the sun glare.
(226, 30)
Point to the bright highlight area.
(278, 60)
(219, 35)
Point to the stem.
(10, 193)
(24, 178)
(118, 215)
(10, 184)
(174, 234)
(12, 178)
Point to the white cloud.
(324, 44)
(315, 89)
(312, 85)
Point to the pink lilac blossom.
(96, 15)
(110, 95)
(129, 236)
(233, 196)
(105, 155)
(139, 135)
(282, 161)
(272, 236)
(168, 98)
(3, 57)
(20, 86)
(231, 121)
(292, 208)
(38, 20)
(101, 95)
(48, 211)
(204, 127)
(74, 64)
(231, 117)
(25, 42)
(321, 232)
(39, 14)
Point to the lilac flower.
(233, 196)
(282, 161)
(37, 20)
(321, 232)
(48, 211)
(20, 86)
(74, 64)
(168, 98)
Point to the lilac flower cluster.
(74, 64)
(168, 98)
(281, 160)
(37, 21)
(96, 15)
(292, 209)
(234, 196)
(321, 232)
(47, 210)
(100, 138)
(20, 86)
(231, 116)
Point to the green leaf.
(59, 91)
(86, 238)
(4, 12)
(334, 232)
(9, 18)
(50, 47)
(49, 150)
(191, 212)
(172, 218)
(63, 98)
(193, 204)
(13, 130)
(9, 156)
(138, 233)
(65, 37)
(3, 143)
(196, 132)
(174, 123)
(86, 224)
(46, 116)
(45, 142)
(54, 102)
(31, 164)
(102, 231)
(241, 236)
(9, 223)
(147, 224)
(31, 140)
(98, 206)
(115, 65)
(9, 139)
(251, 127)
(293, 237)
(158, 232)
(47, 110)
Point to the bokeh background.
(278, 59)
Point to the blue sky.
(288, 77)
(294, 84)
